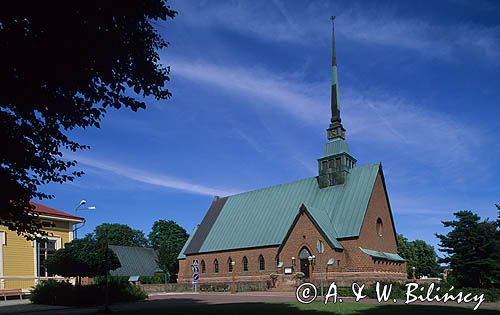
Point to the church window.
(245, 263)
(216, 266)
(337, 163)
(380, 226)
(230, 264)
(203, 267)
(323, 165)
(262, 263)
(330, 163)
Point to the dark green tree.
(168, 238)
(472, 250)
(420, 255)
(498, 216)
(119, 234)
(83, 258)
(63, 65)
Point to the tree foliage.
(420, 255)
(472, 250)
(63, 65)
(119, 234)
(83, 258)
(498, 216)
(164, 230)
(168, 238)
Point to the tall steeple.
(336, 130)
(336, 162)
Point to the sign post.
(196, 275)
(320, 246)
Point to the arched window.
(216, 265)
(380, 226)
(230, 264)
(262, 263)
(203, 267)
(304, 253)
(245, 263)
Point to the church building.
(338, 223)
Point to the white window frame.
(58, 240)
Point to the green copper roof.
(323, 220)
(181, 254)
(263, 217)
(382, 255)
(135, 261)
(334, 147)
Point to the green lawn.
(311, 309)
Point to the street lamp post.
(233, 285)
(413, 275)
(79, 208)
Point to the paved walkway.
(166, 300)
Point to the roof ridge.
(296, 181)
(272, 186)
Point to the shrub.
(299, 275)
(274, 275)
(156, 279)
(112, 280)
(52, 292)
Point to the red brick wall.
(305, 234)
(378, 207)
(253, 273)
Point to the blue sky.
(419, 91)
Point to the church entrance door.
(304, 261)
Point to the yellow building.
(22, 261)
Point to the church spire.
(336, 162)
(336, 130)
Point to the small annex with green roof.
(276, 229)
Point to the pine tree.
(472, 250)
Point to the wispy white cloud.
(371, 116)
(277, 21)
(298, 99)
(451, 42)
(439, 138)
(145, 177)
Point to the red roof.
(44, 210)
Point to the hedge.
(53, 292)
